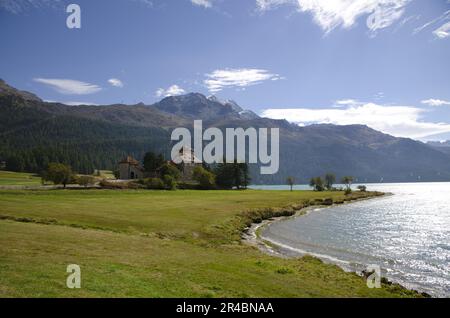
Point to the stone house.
(131, 169)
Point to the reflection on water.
(407, 234)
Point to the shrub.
(85, 181)
(154, 184)
(206, 179)
(169, 182)
(317, 184)
(348, 191)
(284, 271)
(362, 188)
(105, 184)
(168, 169)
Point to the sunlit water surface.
(406, 234)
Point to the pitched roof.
(130, 160)
(187, 155)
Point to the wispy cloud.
(400, 121)
(244, 77)
(435, 102)
(202, 3)
(443, 31)
(115, 82)
(171, 91)
(69, 86)
(443, 17)
(344, 13)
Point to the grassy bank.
(158, 244)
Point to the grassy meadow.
(136, 243)
(8, 178)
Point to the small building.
(130, 169)
(188, 162)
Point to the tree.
(205, 178)
(152, 162)
(58, 173)
(224, 175)
(85, 181)
(317, 184)
(229, 175)
(168, 169)
(362, 188)
(290, 181)
(330, 180)
(348, 180)
(245, 175)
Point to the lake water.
(406, 234)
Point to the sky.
(382, 63)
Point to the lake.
(407, 234)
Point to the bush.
(348, 191)
(362, 188)
(187, 186)
(284, 271)
(169, 182)
(85, 181)
(169, 170)
(105, 184)
(317, 184)
(154, 184)
(206, 179)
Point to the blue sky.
(384, 63)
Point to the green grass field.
(8, 178)
(156, 244)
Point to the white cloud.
(443, 31)
(69, 87)
(115, 82)
(171, 91)
(435, 102)
(330, 14)
(79, 103)
(72, 103)
(347, 102)
(202, 3)
(220, 79)
(399, 121)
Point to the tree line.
(327, 182)
(161, 175)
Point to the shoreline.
(252, 236)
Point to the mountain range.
(34, 132)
